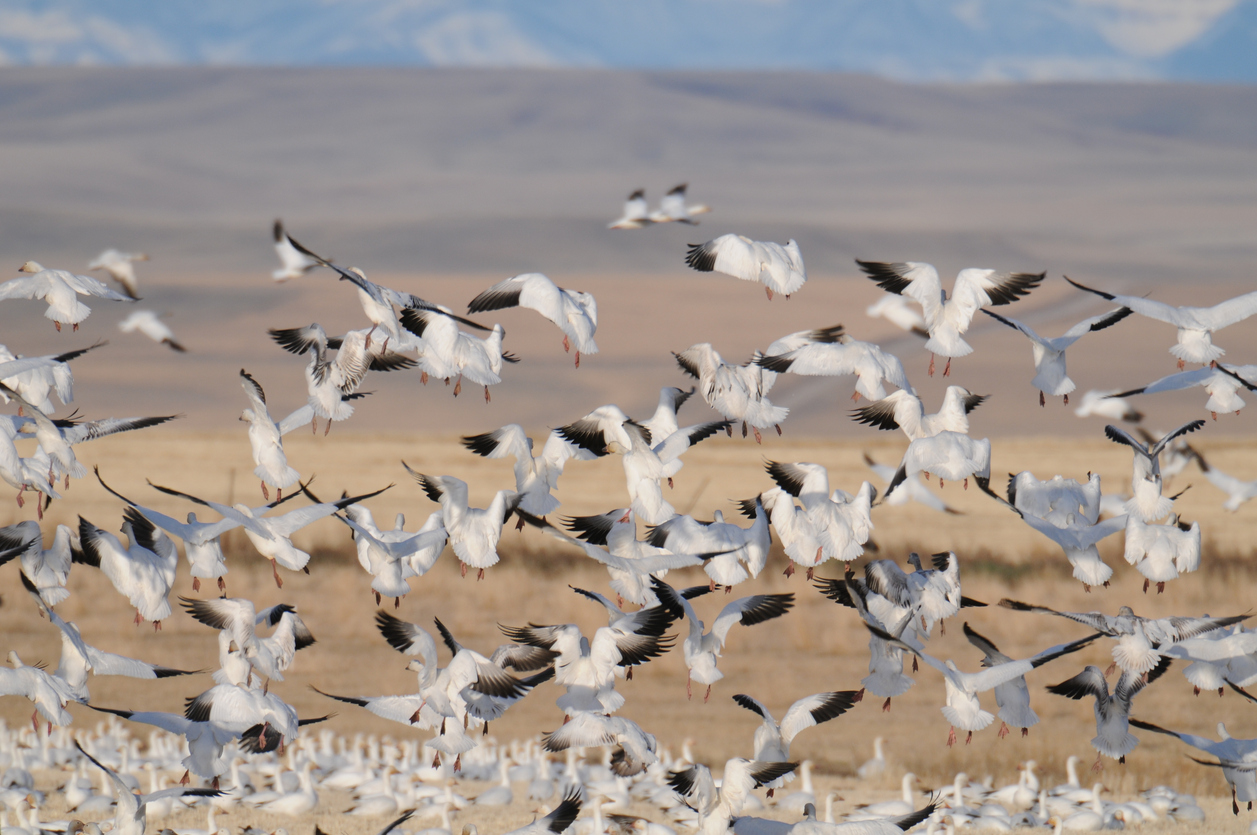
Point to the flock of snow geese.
(239, 735)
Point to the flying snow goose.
(1102, 404)
(295, 263)
(1237, 490)
(47, 569)
(1059, 500)
(904, 410)
(535, 477)
(909, 490)
(209, 755)
(270, 655)
(948, 318)
(1221, 384)
(1050, 376)
(838, 358)
(151, 325)
(1079, 541)
(1196, 325)
(131, 815)
(1013, 697)
(24, 473)
(266, 440)
(703, 648)
(1140, 641)
(738, 392)
(60, 289)
(664, 421)
(426, 550)
(1238, 758)
(449, 353)
(673, 208)
(772, 739)
(1162, 552)
(120, 267)
(1148, 503)
(951, 456)
(575, 313)
(1218, 657)
(932, 595)
(795, 527)
(473, 532)
(36, 377)
(264, 721)
(963, 708)
(716, 805)
(898, 311)
(636, 213)
(636, 748)
(1113, 738)
(48, 692)
(741, 553)
(143, 571)
(840, 521)
(779, 268)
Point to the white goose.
(575, 313)
(270, 656)
(294, 262)
(210, 749)
(841, 521)
(949, 455)
(636, 213)
(143, 571)
(449, 353)
(60, 289)
(741, 553)
(48, 569)
(120, 267)
(535, 477)
(1162, 552)
(473, 532)
(49, 693)
(35, 378)
(130, 817)
(738, 392)
(673, 208)
(841, 357)
(151, 325)
(909, 490)
(904, 410)
(1013, 696)
(1221, 384)
(1102, 404)
(772, 740)
(1238, 491)
(1113, 738)
(1147, 502)
(266, 438)
(779, 268)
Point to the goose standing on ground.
(535, 477)
(779, 268)
(294, 262)
(1050, 376)
(636, 213)
(575, 313)
(60, 289)
(46, 570)
(473, 532)
(1147, 502)
(947, 317)
(772, 740)
(1220, 383)
(904, 410)
(1238, 491)
(909, 490)
(674, 209)
(702, 649)
(130, 817)
(1113, 738)
(120, 267)
(266, 438)
(151, 325)
(1196, 325)
(963, 707)
(875, 766)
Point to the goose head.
(31, 267)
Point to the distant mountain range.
(912, 40)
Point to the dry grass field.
(818, 646)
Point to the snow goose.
(1102, 404)
(419, 553)
(881, 826)
(772, 740)
(1140, 641)
(151, 325)
(120, 267)
(703, 648)
(1162, 552)
(840, 521)
(839, 357)
(295, 263)
(143, 571)
(898, 311)
(209, 752)
(449, 353)
(1196, 325)
(1237, 490)
(1146, 480)
(1217, 657)
(35, 378)
(876, 765)
(264, 721)
(1079, 542)
(904, 410)
(715, 805)
(664, 421)
(49, 693)
(1013, 697)
(779, 268)
(47, 570)
(301, 801)
(1050, 376)
(735, 391)
(390, 560)
(741, 553)
(674, 209)
(930, 595)
(1058, 500)
(535, 477)
(266, 439)
(890, 808)
(909, 490)
(557, 821)
(1113, 738)
(947, 317)
(949, 455)
(24, 473)
(130, 817)
(963, 707)
(575, 313)
(636, 213)
(236, 617)
(1221, 384)
(473, 532)
(60, 289)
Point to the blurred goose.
(294, 263)
(1162, 552)
(35, 378)
(636, 213)
(1103, 404)
(60, 289)
(886, 676)
(209, 756)
(898, 311)
(779, 268)
(575, 313)
(151, 325)
(1113, 738)
(49, 693)
(949, 455)
(909, 490)
(120, 267)
(673, 208)
(535, 477)
(947, 317)
(473, 532)
(741, 553)
(841, 357)
(1238, 491)
(1196, 325)
(47, 570)
(130, 817)
(1147, 502)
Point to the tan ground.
(816, 647)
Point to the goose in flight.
(947, 317)
(473, 532)
(772, 739)
(266, 438)
(738, 392)
(1059, 500)
(664, 421)
(779, 268)
(840, 521)
(904, 410)
(1147, 501)
(47, 569)
(575, 313)
(209, 755)
(449, 353)
(24, 473)
(1013, 696)
(375, 545)
(898, 311)
(1238, 491)
(120, 267)
(929, 595)
(741, 553)
(716, 805)
(703, 648)
(1196, 325)
(151, 325)
(294, 262)
(48, 692)
(1140, 641)
(1221, 384)
(142, 571)
(963, 708)
(636, 213)
(839, 357)
(1102, 404)
(35, 378)
(535, 477)
(909, 490)
(635, 751)
(1162, 552)
(131, 814)
(1050, 376)
(951, 456)
(558, 821)
(1237, 757)
(673, 208)
(271, 655)
(60, 289)
(1078, 538)
(1113, 738)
